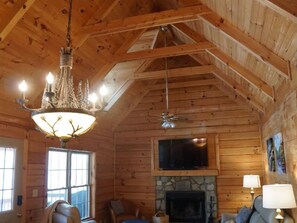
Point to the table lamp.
(251, 181)
(278, 196)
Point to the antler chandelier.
(63, 113)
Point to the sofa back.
(264, 215)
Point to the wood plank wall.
(98, 141)
(282, 118)
(210, 111)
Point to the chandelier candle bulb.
(50, 81)
(103, 92)
(93, 99)
(23, 88)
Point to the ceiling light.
(63, 113)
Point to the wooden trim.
(178, 72)
(9, 22)
(24, 178)
(146, 21)
(165, 52)
(243, 72)
(259, 50)
(202, 172)
(155, 171)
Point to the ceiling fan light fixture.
(64, 114)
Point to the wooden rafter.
(178, 72)
(243, 72)
(233, 85)
(239, 89)
(259, 50)
(9, 22)
(231, 63)
(190, 33)
(146, 21)
(165, 52)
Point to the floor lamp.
(278, 196)
(251, 181)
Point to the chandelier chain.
(166, 70)
(68, 36)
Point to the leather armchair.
(65, 213)
(121, 210)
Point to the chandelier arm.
(23, 102)
(74, 129)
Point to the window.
(69, 179)
(7, 170)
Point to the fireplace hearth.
(186, 206)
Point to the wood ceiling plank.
(286, 8)
(146, 21)
(134, 36)
(165, 52)
(232, 84)
(243, 72)
(231, 63)
(178, 72)
(259, 50)
(239, 89)
(99, 15)
(9, 22)
(193, 35)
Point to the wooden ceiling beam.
(239, 89)
(8, 22)
(146, 21)
(243, 72)
(185, 84)
(169, 51)
(189, 32)
(231, 63)
(259, 50)
(232, 84)
(178, 72)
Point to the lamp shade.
(278, 196)
(251, 181)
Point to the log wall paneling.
(133, 168)
(34, 168)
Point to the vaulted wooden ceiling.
(247, 49)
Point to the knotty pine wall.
(282, 118)
(210, 111)
(99, 141)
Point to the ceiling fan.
(167, 119)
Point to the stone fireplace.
(189, 191)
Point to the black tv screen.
(183, 154)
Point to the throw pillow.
(117, 206)
(243, 215)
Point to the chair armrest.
(227, 217)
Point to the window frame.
(89, 185)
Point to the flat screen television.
(183, 154)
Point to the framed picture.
(279, 153)
(270, 154)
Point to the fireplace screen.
(186, 206)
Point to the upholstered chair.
(121, 210)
